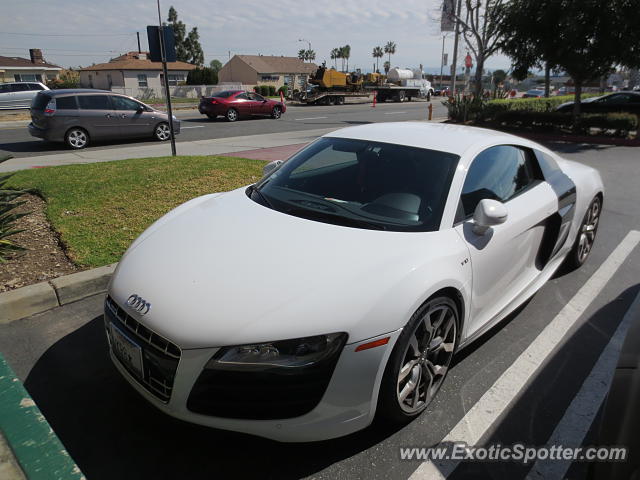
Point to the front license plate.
(127, 351)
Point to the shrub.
(264, 90)
(619, 124)
(283, 89)
(8, 217)
(272, 90)
(463, 108)
(202, 76)
(256, 89)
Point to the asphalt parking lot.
(111, 432)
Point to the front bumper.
(347, 405)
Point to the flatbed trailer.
(383, 93)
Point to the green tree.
(188, 48)
(216, 65)
(202, 76)
(390, 48)
(583, 39)
(378, 53)
(387, 66)
(335, 54)
(302, 54)
(311, 55)
(346, 54)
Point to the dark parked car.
(614, 102)
(19, 94)
(442, 91)
(78, 116)
(233, 104)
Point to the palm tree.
(311, 55)
(302, 54)
(390, 48)
(377, 54)
(335, 54)
(346, 53)
(387, 67)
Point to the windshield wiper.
(253, 189)
(334, 219)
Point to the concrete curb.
(26, 301)
(29, 447)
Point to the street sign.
(153, 36)
(468, 61)
(447, 21)
(445, 59)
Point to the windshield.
(361, 184)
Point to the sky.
(80, 34)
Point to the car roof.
(65, 91)
(444, 137)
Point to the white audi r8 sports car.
(339, 286)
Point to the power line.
(68, 34)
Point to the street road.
(17, 141)
(113, 433)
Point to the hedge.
(618, 124)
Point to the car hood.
(224, 270)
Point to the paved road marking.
(577, 419)
(310, 118)
(393, 113)
(501, 394)
(193, 126)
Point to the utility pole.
(138, 35)
(454, 63)
(442, 60)
(166, 80)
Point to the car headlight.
(294, 353)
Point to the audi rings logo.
(139, 304)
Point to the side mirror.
(271, 166)
(487, 214)
(140, 109)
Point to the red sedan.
(233, 104)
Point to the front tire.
(586, 235)
(162, 132)
(276, 113)
(231, 115)
(76, 138)
(419, 361)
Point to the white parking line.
(310, 118)
(393, 113)
(193, 126)
(577, 419)
(502, 393)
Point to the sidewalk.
(217, 146)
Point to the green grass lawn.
(100, 208)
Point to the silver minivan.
(79, 116)
(19, 94)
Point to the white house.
(35, 69)
(134, 74)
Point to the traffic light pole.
(454, 63)
(166, 80)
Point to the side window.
(256, 97)
(21, 87)
(5, 88)
(123, 103)
(242, 96)
(35, 86)
(548, 165)
(94, 102)
(66, 103)
(498, 173)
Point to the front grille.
(160, 357)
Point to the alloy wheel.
(588, 230)
(77, 138)
(232, 115)
(276, 113)
(426, 358)
(163, 132)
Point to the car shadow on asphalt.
(36, 147)
(113, 433)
